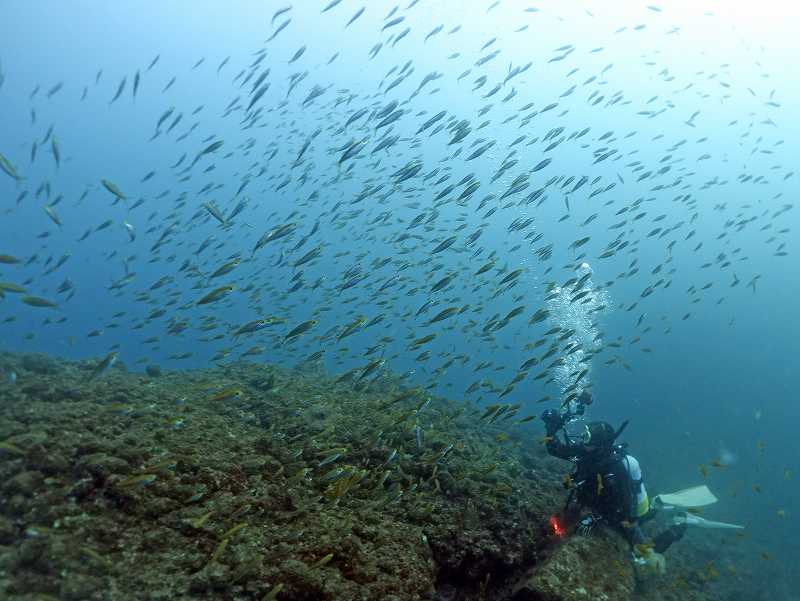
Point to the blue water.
(721, 380)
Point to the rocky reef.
(252, 482)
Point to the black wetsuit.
(601, 482)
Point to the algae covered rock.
(35, 554)
(593, 568)
(41, 364)
(78, 587)
(327, 495)
(25, 483)
(47, 461)
(8, 532)
(154, 371)
(101, 465)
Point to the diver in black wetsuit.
(605, 479)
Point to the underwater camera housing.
(576, 408)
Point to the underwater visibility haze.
(286, 288)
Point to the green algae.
(141, 487)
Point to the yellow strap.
(643, 507)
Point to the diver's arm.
(558, 445)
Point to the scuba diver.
(607, 481)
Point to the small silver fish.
(418, 436)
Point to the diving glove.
(552, 421)
(587, 524)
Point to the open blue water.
(679, 119)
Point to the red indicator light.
(557, 529)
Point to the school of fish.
(424, 217)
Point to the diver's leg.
(672, 534)
(634, 535)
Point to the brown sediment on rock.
(580, 568)
(138, 487)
